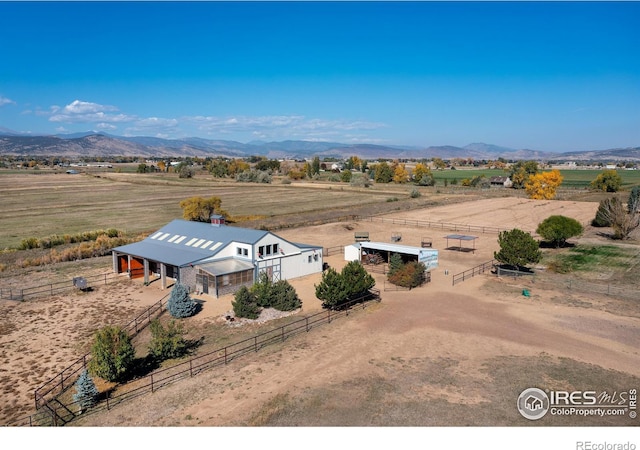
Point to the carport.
(460, 238)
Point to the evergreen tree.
(169, 342)
(112, 353)
(262, 290)
(86, 391)
(336, 289)
(356, 279)
(331, 289)
(244, 304)
(395, 263)
(517, 248)
(285, 297)
(180, 305)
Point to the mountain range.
(91, 144)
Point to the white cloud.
(87, 112)
(106, 126)
(6, 101)
(290, 127)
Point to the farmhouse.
(213, 258)
(501, 181)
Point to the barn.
(214, 258)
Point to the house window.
(268, 249)
(275, 248)
(261, 250)
(239, 251)
(309, 258)
(245, 252)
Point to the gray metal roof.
(225, 266)
(182, 242)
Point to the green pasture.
(572, 179)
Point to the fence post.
(190, 367)
(151, 383)
(307, 322)
(328, 315)
(255, 344)
(225, 355)
(282, 333)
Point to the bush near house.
(180, 305)
(112, 354)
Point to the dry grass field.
(438, 355)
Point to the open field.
(436, 355)
(40, 204)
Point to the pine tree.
(517, 248)
(245, 304)
(86, 391)
(180, 305)
(285, 297)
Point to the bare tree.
(622, 221)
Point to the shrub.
(633, 204)
(86, 391)
(112, 353)
(345, 176)
(415, 193)
(427, 180)
(244, 304)
(180, 305)
(409, 275)
(602, 218)
(608, 181)
(167, 343)
(557, 229)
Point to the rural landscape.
(456, 350)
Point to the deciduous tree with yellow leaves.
(542, 186)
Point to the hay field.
(39, 205)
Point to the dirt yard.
(437, 355)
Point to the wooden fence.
(55, 413)
(67, 378)
(21, 294)
(437, 225)
(470, 273)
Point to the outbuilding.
(214, 258)
(380, 252)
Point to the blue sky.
(553, 76)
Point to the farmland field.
(40, 205)
(572, 179)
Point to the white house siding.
(298, 265)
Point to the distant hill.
(100, 144)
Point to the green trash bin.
(525, 292)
